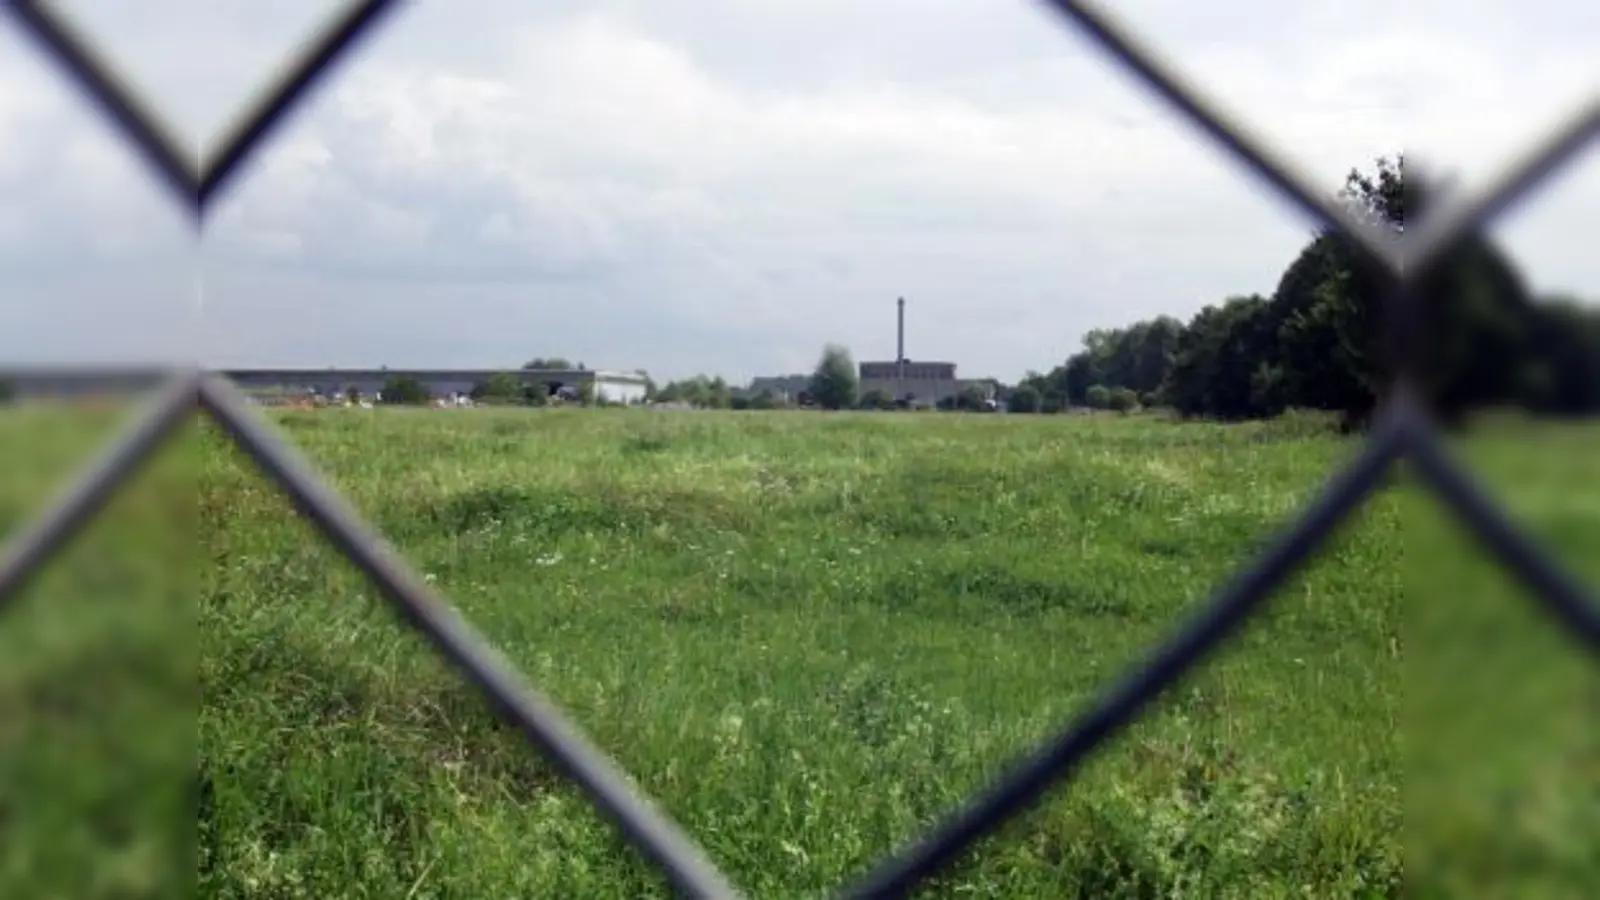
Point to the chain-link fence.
(1403, 431)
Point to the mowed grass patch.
(808, 636)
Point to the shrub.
(972, 399)
(536, 394)
(877, 398)
(404, 390)
(1098, 396)
(501, 387)
(1124, 400)
(834, 384)
(1025, 399)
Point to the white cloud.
(725, 185)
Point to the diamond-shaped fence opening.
(1403, 431)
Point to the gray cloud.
(725, 185)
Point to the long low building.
(613, 387)
(73, 381)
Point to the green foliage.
(1075, 379)
(501, 387)
(352, 394)
(972, 399)
(700, 391)
(1565, 377)
(8, 391)
(877, 398)
(405, 390)
(834, 384)
(553, 363)
(1052, 396)
(535, 395)
(1137, 358)
(1318, 341)
(586, 392)
(1214, 371)
(1098, 396)
(1025, 399)
(1123, 399)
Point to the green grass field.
(808, 636)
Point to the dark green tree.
(1025, 399)
(536, 395)
(553, 363)
(1564, 377)
(834, 384)
(1098, 396)
(972, 399)
(501, 387)
(718, 395)
(1076, 377)
(1332, 315)
(1324, 339)
(1217, 369)
(405, 390)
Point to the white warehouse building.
(627, 388)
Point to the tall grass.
(809, 636)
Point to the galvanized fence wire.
(1403, 433)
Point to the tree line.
(1322, 340)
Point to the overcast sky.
(725, 185)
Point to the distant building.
(270, 386)
(613, 387)
(920, 382)
(916, 382)
(61, 382)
